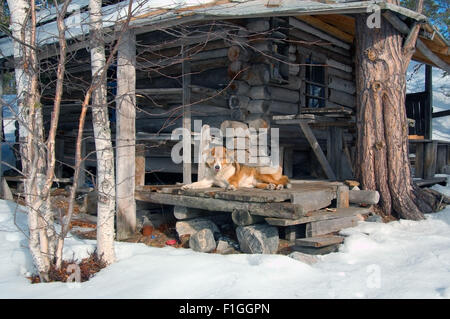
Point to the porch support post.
(126, 136)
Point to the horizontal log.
(311, 44)
(283, 210)
(265, 46)
(244, 218)
(340, 74)
(258, 74)
(323, 35)
(316, 251)
(285, 95)
(329, 226)
(341, 85)
(315, 199)
(167, 61)
(341, 98)
(239, 87)
(338, 65)
(320, 215)
(238, 53)
(238, 102)
(364, 197)
(259, 25)
(279, 107)
(294, 83)
(321, 241)
(259, 93)
(258, 106)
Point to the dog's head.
(218, 158)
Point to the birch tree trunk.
(32, 149)
(382, 147)
(102, 135)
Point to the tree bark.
(382, 147)
(102, 137)
(32, 150)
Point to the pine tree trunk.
(102, 136)
(382, 147)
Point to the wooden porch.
(311, 210)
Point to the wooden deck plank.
(430, 181)
(319, 215)
(280, 210)
(316, 251)
(323, 227)
(320, 241)
(299, 191)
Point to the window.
(315, 84)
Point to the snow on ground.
(402, 259)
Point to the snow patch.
(401, 259)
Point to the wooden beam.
(340, 21)
(205, 138)
(278, 210)
(186, 74)
(429, 163)
(429, 102)
(321, 25)
(323, 227)
(126, 136)
(419, 159)
(140, 165)
(342, 197)
(323, 35)
(321, 241)
(400, 26)
(317, 150)
(441, 114)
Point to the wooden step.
(323, 227)
(318, 215)
(316, 251)
(320, 241)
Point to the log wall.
(240, 70)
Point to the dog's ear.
(229, 156)
(208, 157)
(207, 152)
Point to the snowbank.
(403, 259)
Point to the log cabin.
(288, 62)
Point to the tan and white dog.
(223, 171)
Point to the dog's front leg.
(222, 183)
(204, 183)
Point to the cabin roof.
(329, 15)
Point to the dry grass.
(89, 266)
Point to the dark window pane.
(315, 74)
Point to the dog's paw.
(185, 187)
(270, 186)
(231, 188)
(279, 187)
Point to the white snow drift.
(403, 259)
